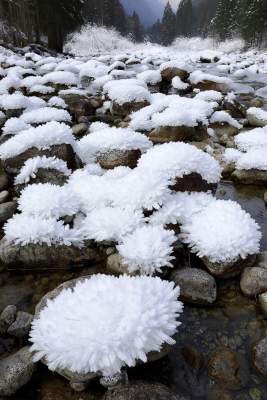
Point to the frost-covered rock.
(204, 81)
(148, 249)
(137, 391)
(104, 143)
(190, 169)
(43, 255)
(44, 115)
(224, 236)
(172, 69)
(173, 118)
(51, 139)
(48, 201)
(223, 124)
(32, 165)
(98, 318)
(255, 138)
(257, 116)
(110, 223)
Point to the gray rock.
(80, 129)
(115, 158)
(127, 108)
(63, 151)
(21, 326)
(115, 265)
(254, 281)
(263, 303)
(193, 183)
(44, 175)
(229, 269)
(169, 73)
(196, 285)
(167, 134)
(4, 182)
(48, 257)
(15, 371)
(142, 391)
(3, 196)
(255, 120)
(250, 176)
(259, 356)
(78, 104)
(7, 318)
(7, 210)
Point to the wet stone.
(21, 326)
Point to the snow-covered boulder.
(113, 147)
(257, 116)
(51, 139)
(189, 168)
(204, 81)
(172, 69)
(224, 125)
(173, 118)
(224, 236)
(127, 95)
(98, 343)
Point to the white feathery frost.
(222, 232)
(32, 165)
(105, 323)
(148, 249)
(48, 201)
(41, 137)
(23, 229)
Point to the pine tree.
(136, 29)
(254, 22)
(168, 26)
(225, 22)
(184, 18)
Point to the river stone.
(115, 158)
(78, 104)
(115, 265)
(44, 175)
(80, 129)
(21, 326)
(169, 73)
(63, 151)
(3, 196)
(227, 270)
(15, 371)
(122, 110)
(7, 318)
(193, 183)
(196, 285)
(224, 367)
(4, 182)
(224, 130)
(255, 121)
(210, 85)
(236, 109)
(250, 176)
(7, 210)
(263, 303)
(142, 391)
(254, 281)
(259, 356)
(42, 256)
(165, 134)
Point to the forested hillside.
(222, 19)
(49, 21)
